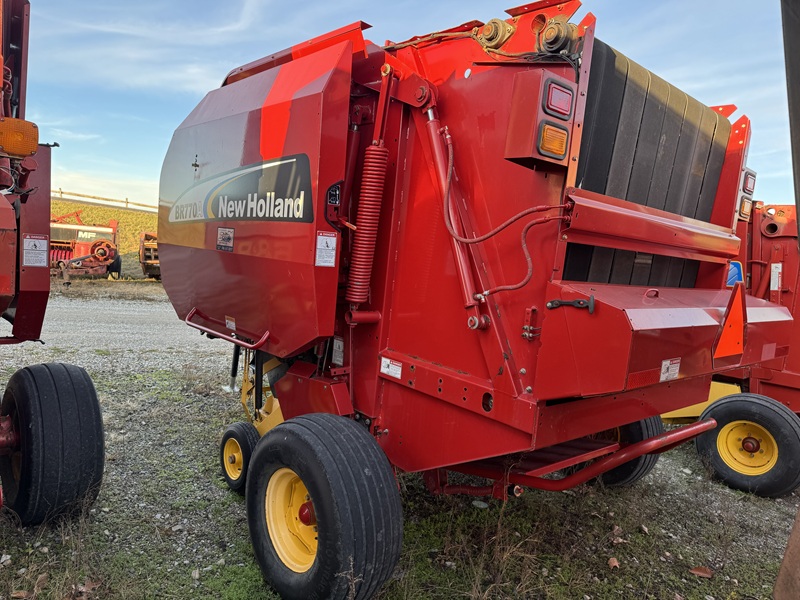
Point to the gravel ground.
(165, 525)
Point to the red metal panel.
(425, 433)
(728, 190)
(34, 281)
(600, 220)
(299, 393)
(298, 110)
(563, 421)
(349, 33)
(637, 331)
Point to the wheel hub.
(751, 445)
(235, 459)
(747, 448)
(306, 514)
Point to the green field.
(131, 222)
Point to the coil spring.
(376, 161)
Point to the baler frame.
(338, 320)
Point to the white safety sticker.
(326, 249)
(35, 250)
(775, 277)
(392, 368)
(225, 238)
(230, 323)
(338, 351)
(669, 369)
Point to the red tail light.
(558, 101)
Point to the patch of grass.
(557, 545)
(164, 513)
(116, 290)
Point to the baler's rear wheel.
(57, 465)
(235, 450)
(632, 471)
(323, 509)
(755, 446)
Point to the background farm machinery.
(80, 249)
(500, 249)
(148, 255)
(756, 406)
(51, 432)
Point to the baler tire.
(351, 545)
(239, 441)
(632, 471)
(772, 473)
(58, 465)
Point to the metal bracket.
(575, 303)
(528, 330)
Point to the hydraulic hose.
(482, 238)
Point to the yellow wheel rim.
(293, 540)
(747, 448)
(234, 460)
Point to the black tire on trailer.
(755, 446)
(57, 466)
(323, 509)
(115, 268)
(632, 471)
(235, 450)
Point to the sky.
(111, 81)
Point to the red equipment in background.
(499, 249)
(773, 267)
(80, 249)
(51, 431)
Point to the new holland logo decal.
(278, 190)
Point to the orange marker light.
(18, 138)
(553, 141)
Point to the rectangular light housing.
(558, 101)
(749, 183)
(553, 140)
(18, 138)
(745, 208)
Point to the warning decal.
(326, 249)
(775, 277)
(392, 368)
(35, 250)
(225, 238)
(669, 369)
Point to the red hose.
(376, 161)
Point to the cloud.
(97, 184)
(66, 134)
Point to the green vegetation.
(166, 526)
(131, 222)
